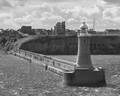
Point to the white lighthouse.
(83, 57)
(84, 74)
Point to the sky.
(46, 13)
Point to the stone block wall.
(67, 45)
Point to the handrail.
(52, 58)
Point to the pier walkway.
(48, 63)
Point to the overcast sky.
(46, 13)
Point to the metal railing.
(49, 61)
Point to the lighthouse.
(85, 74)
(83, 56)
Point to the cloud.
(57, 1)
(79, 13)
(33, 14)
(6, 21)
(112, 14)
(72, 20)
(46, 13)
(113, 1)
(47, 20)
(50, 19)
(26, 20)
(4, 3)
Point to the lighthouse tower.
(83, 57)
(84, 74)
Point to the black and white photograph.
(59, 47)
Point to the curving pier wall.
(48, 63)
(56, 45)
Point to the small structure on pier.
(85, 74)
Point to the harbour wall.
(67, 45)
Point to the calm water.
(18, 77)
(111, 64)
(97, 60)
